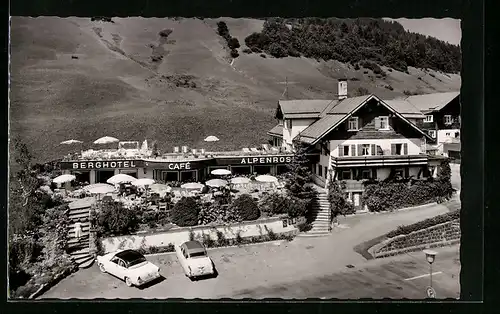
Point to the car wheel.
(101, 268)
(128, 282)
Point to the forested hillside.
(361, 42)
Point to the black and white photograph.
(240, 158)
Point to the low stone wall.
(178, 236)
(447, 233)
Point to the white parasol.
(266, 178)
(69, 142)
(64, 178)
(192, 186)
(99, 188)
(215, 183)
(106, 140)
(143, 182)
(160, 188)
(120, 178)
(211, 138)
(240, 180)
(221, 172)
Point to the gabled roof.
(311, 133)
(405, 108)
(303, 108)
(432, 102)
(340, 113)
(276, 131)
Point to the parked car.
(194, 259)
(130, 266)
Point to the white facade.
(414, 145)
(298, 125)
(448, 136)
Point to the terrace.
(133, 154)
(379, 160)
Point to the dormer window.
(352, 124)
(448, 119)
(429, 118)
(382, 123)
(289, 124)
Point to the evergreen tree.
(299, 174)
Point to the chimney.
(342, 90)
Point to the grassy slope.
(114, 88)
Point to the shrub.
(165, 33)
(339, 205)
(256, 49)
(246, 207)
(277, 51)
(185, 212)
(221, 239)
(303, 227)
(234, 53)
(270, 233)
(402, 230)
(389, 87)
(215, 213)
(239, 239)
(274, 204)
(114, 219)
(361, 91)
(356, 67)
(233, 43)
(191, 235)
(208, 241)
(263, 55)
(247, 51)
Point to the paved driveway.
(249, 268)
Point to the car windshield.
(137, 261)
(197, 254)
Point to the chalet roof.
(303, 108)
(432, 102)
(405, 108)
(340, 113)
(277, 130)
(315, 130)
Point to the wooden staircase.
(79, 249)
(321, 225)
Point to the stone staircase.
(79, 248)
(321, 225)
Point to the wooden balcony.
(379, 160)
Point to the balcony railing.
(379, 160)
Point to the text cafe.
(100, 171)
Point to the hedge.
(239, 240)
(403, 230)
(185, 212)
(246, 207)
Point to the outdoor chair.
(265, 147)
(253, 149)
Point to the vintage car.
(130, 266)
(194, 260)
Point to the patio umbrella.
(211, 138)
(64, 178)
(143, 182)
(99, 188)
(215, 183)
(220, 172)
(121, 178)
(192, 186)
(266, 178)
(160, 188)
(240, 180)
(106, 140)
(69, 142)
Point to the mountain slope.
(75, 78)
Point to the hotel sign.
(258, 160)
(101, 164)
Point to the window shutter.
(359, 124)
(341, 150)
(373, 150)
(407, 172)
(374, 173)
(353, 150)
(405, 149)
(360, 150)
(377, 123)
(393, 149)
